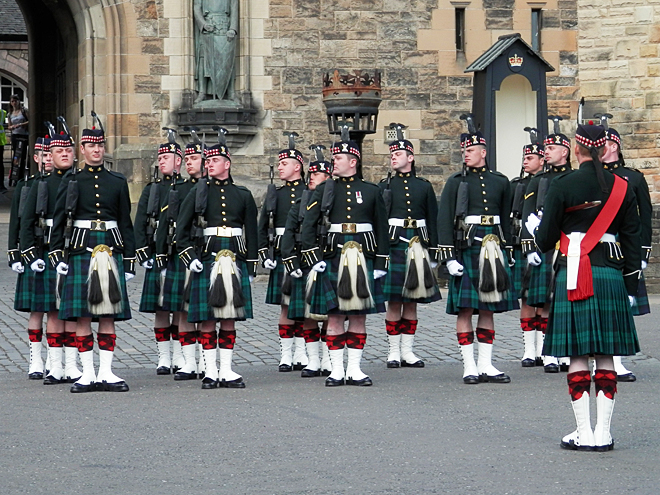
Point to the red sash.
(585, 284)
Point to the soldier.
(24, 282)
(470, 233)
(154, 198)
(412, 210)
(221, 253)
(357, 249)
(272, 221)
(533, 160)
(557, 157)
(300, 310)
(93, 247)
(35, 233)
(614, 162)
(593, 215)
(176, 275)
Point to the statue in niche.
(216, 27)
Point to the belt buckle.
(487, 220)
(409, 223)
(349, 228)
(98, 226)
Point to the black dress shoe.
(551, 368)
(563, 368)
(37, 375)
(501, 378)
(393, 364)
(528, 363)
(604, 448)
(238, 383)
(325, 372)
(538, 361)
(470, 380)
(182, 375)
(365, 382)
(628, 377)
(285, 368)
(570, 445)
(209, 383)
(104, 386)
(77, 388)
(298, 367)
(201, 375)
(331, 382)
(163, 370)
(51, 380)
(68, 379)
(310, 373)
(417, 364)
(175, 369)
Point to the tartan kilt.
(324, 297)
(199, 309)
(296, 310)
(23, 293)
(43, 286)
(464, 290)
(174, 285)
(375, 286)
(602, 324)
(518, 271)
(275, 280)
(73, 304)
(641, 306)
(396, 273)
(540, 281)
(150, 291)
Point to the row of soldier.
(337, 250)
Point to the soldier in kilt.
(533, 159)
(35, 233)
(480, 281)
(356, 251)
(557, 157)
(98, 260)
(216, 238)
(309, 300)
(413, 233)
(168, 262)
(593, 215)
(25, 279)
(614, 162)
(272, 221)
(152, 202)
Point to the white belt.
(279, 230)
(408, 223)
(608, 238)
(482, 219)
(573, 256)
(98, 225)
(350, 228)
(223, 231)
(49, 222)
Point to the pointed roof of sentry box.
(501, 45)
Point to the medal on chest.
(358, 197)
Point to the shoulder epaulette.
(500, 174)
(243, 188)
(117, 174)
(423, 178)
(370, 183)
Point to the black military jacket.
(291, 239)
(516, 231)
(183, 187)
(144, 250)
(15, 217)
(581, 187)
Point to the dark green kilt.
(375, 285)
(150, 291)
(174, 285)
(274, 291)
(296, 309)
(518, 271)
(464, 290)
(199, 309)
(44, 290)
(396, 273)
(540, 281)
(74, 293)
(23, 294)
(324, 297)
(641, 306)
(602, 324)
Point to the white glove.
(434, 265)
(149, 264)
(379, 273)
(632, 301)
(532, 223)
(38, 266)
(455, 268)
(270, 264)
(196, 266)
(19, 268)
(319, 267)
(296, 273)
(251, 278)
(644, 265)
(129, 276)
(62, 268)
(512, 262)
(534, 259)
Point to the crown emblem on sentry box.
(516, 60)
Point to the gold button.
(224, 219)
(407, 194)
(348, 186)
(96, 176)
(407, 202)
(483, 192)
(96, 186)
(293, 188)
(483, 185)
(97, 205)
(98, 212)
(405, 182)
(348, 217)
(409, 209)
(481, 177)
(485, 200)
(348, 208)
(222, 190)
(97, 195)
(348, 200)
(293, 195)
(222, 197)
(406, 188)
(223, 213)
(223, 205)
(486, 208)
(293, 202)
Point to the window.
(536, 29)
(460, 29)
(8, 88)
